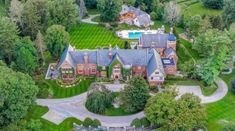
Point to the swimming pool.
(134, 35)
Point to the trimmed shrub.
(213, 4)
(88, 122)
(96, 123)
(145, 122)
(98, 101)
(136, 122)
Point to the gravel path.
(60, 109)
(89, 19)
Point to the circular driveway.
(60, 109)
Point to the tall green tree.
(56, 38)
(193, 25)
(135, 94)
(16, 11)
(184, 114)
(8, 38)
(91, 4)
(34, 17)
(63, 12)
(171, 13)
(215, 48)
(109, 9)
(213, 4)
(229, 12)
(208, 43)
(18, 92)
(26, 56)
(40, 44)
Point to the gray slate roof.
(128, 57)
(144, 19)
(154, 40)
(169, 51)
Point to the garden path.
(89, 19)
(60, 109)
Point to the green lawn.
(197, 9)
(224, 110)
(87, 36)
(62, 92)
(115, 112)
(37, 111)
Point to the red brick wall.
(170, 70)
(155, 83)
(139, 70)
(160, 51)
(171, 44)
(87, 69)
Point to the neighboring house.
(113, 63)
(134, 16)
(165, 44)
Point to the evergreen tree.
(40, 46)
(8, 38)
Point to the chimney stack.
(110, 52)
(86, 58)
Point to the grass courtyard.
(2, 10)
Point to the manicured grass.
(198, 9)
(62, 92)
(115, 112)
(224, 110)
(37, 111)
(92, 11)
(87, 36)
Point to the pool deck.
(125, 33)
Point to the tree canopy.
(58, 13)
(229, 12)
(183, 114)
(56, 38)
(8, 38)
(26, 57)
(215, 48)
(135, 94)
(109, 9)
(17, 92)
(213, 4)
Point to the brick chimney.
(86, 58)
(171, 30)
(110, 52)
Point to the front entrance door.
(116, 72)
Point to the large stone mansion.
(154, 58)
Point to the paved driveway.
(89, 19)
(196, 90)
(60, 109)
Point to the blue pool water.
(134, 35)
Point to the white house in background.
(134, 16)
